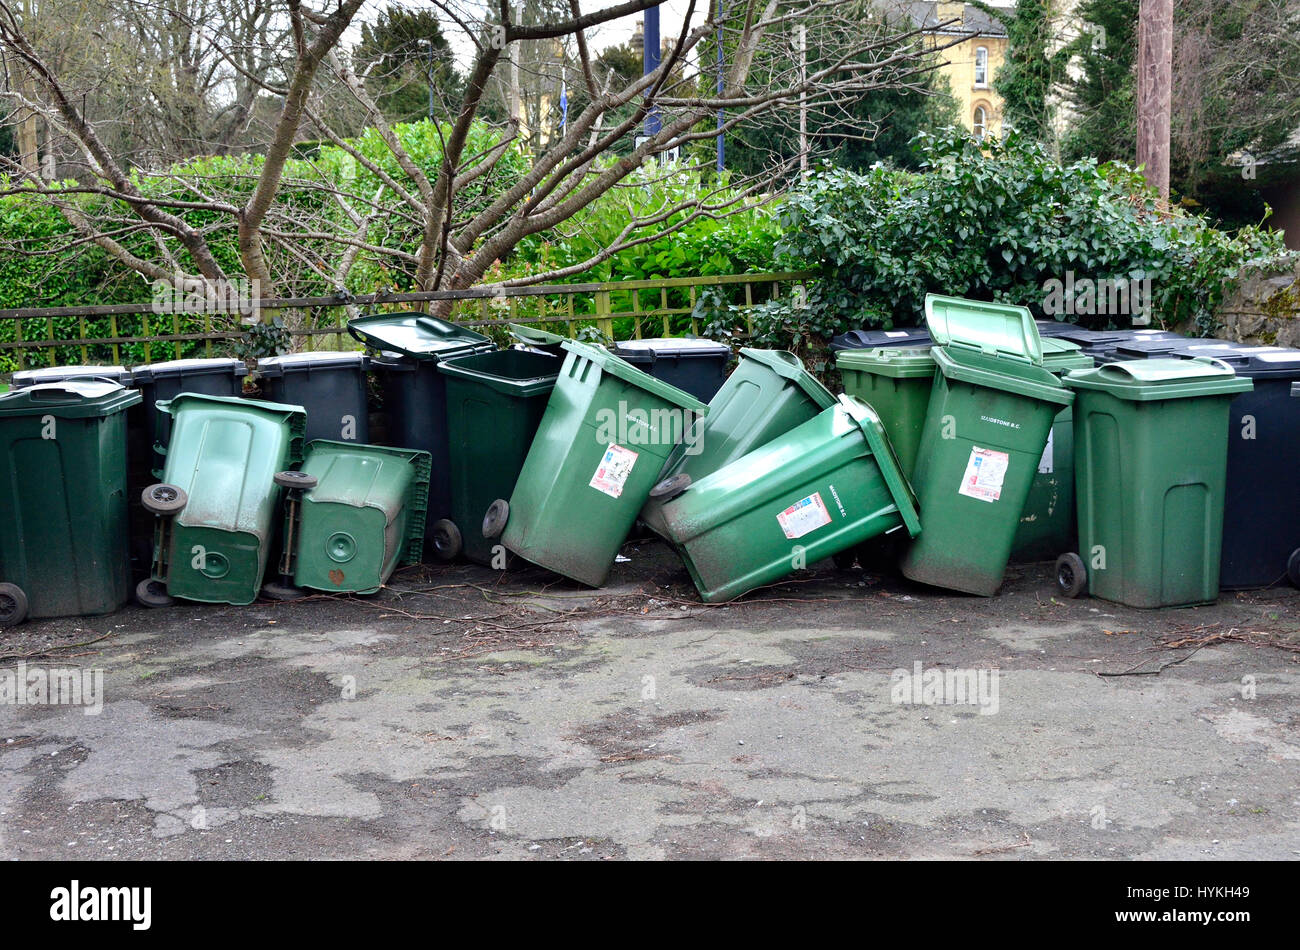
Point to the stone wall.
(1264, 309)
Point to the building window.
(981, 66)
(980, 123)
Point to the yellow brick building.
(972, 63)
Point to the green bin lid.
(1151, 380)
(996, 329)
(415, 334)
(70, 399)
(1011, 376)
(534, 336)
(883, 451)
(788, 366)
(617, 366)
(1061, 356)
(897, 362)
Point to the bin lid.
(883, 451)
(671, 347)
(870, 339)
(1060, 356)
(993, 372)
(1054, 328)
(996, 329)
(617, 366)
(415, 334)
(902, 362)
(55, 374)
(519, 373)
(1255, 362)
(1162, 378)
(192, 367)
(788, 366)
(305, 362)
(70, 399)
(534, 336)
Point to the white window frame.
(981, 67)
(980, 122)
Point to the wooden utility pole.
(1155, 90)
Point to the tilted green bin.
(767, 394)
(822, 488)
(63, 513)
(896, 382)
(606, 434)
(985, 429)
(1151, 457)
(217, 503)
(358, 515)
(495, 402)
(1048, 523)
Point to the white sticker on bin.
(805, 515)
(896, 333)
(1046, 463)
(986, 469)
(612, 472)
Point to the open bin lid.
(305, 362)
(664, 347)
(871, 339)
(788, 366)
(883, 452)
(533, 336)
(191, 367)
(70, 399)
(1163, 378)
(621, 368)
(896, 362)
(995, 329)
(57, 374)
(415, 334)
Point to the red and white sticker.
(985, 472)
(807, 514)
(612, 472)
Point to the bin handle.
(1112, 369)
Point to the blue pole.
(722, 139)
(650, 62)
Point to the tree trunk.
(1155, 85)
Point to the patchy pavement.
(470, 713)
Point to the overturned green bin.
(767, 394)
(607, 431)
(217, 504)
(822, 488)
(63, 512)
(355, 513)
(985, 430)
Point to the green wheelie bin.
(1048, 523)
(215, 508)
(504, 393)
(606, 434)
(896, 382)
(353, 514)
(63, 514)
(822, 488)
(986, 426)
(767, 394)
(1151, 458)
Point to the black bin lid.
(871, 339)
(152, 372)
(306, 362)
(58, 374)
(1255, 362)
(416, 334)
(670, 347)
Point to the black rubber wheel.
(296, 480)
(1071, 575)
(13, 605)
(282, 592)
(446, 539)
(152, 593)
(164, 499)
(671, 487)
(1293, 567)
(494, 522)
(844, 560)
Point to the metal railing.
(645, 308)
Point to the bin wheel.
(447, 542)
(152, 593)
(164, 499)
(494, 522)
(844, 560)
(13, 605)
(1071, 575)
(1293, 567)
(671, 487)
(296, 480)
(282, 592)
